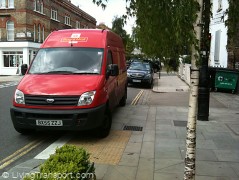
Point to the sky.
(114, 8)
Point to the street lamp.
(204, 90)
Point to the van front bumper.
(77, 119)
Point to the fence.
(184, 72)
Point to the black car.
(140, 73)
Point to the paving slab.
(215, 169)
(227, 155)
(169, 165)
(145, 169)
(168, 153)
(120, 172)
(129, 159)
(147, 150)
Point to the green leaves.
(233, 19)
(69, 162)
(164, 27)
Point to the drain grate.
(180, 123)
(133, 128)
(179, 89)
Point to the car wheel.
(104, 130)
(150, 84)
(124, 98)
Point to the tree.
(118, 28)
(232, 24)
(102, 26)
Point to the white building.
(218, 51)
(16, 52)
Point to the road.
(16, 148)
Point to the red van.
(75, 80)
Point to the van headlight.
(19, 97)
(86, 98)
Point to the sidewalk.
(10, 78)
(157, 151)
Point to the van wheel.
(123, 100)
(104, 130)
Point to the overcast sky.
(114, 8)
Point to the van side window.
(109, 61)
(109, 58)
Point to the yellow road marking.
(19, 153)
(136, 99)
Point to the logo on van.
(75, 38)
(50, 101)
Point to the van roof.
(98, 38)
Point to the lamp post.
(204, 90)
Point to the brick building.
(24, 25)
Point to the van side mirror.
(112, 70)
(24, 69)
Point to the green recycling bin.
(226, 80)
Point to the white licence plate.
(49, 123)
(136, 80)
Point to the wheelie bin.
(226, 80)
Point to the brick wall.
(25, 18)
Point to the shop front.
(14, 54)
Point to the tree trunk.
(190, 167)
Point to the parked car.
(74, 82)
(140, 72)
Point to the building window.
(2, 3)
(54, 14)
(10, 3)
(12, 59)
(34, 33)
(67, 20)
(43, 35)
(39, 33)
(10, 30)
(217, 46)
(77, 25)
(38, 6)
(6, 3)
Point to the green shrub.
(68, 163)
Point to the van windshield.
(67, 61)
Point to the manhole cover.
(133, 128)
(180, 123)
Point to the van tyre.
(124, 98)
(104, 130)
